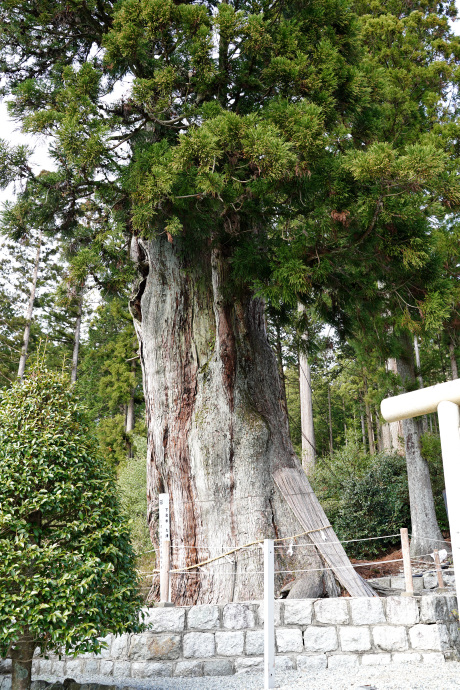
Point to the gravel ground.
(397, 677)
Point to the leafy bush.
(364, 496)
(132, 489)
(374, 505)
(132, 486)
(67, 568)
(110, 432)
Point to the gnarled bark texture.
(218, 434)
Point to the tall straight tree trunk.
(369, 420)
(370, 429)
(426, 534)
(21, 656)
(453, 361)
(306, 412)
(363, 432)
(392, 432)
(424, 420)
(218, 439)
(30, 309)
(76, 337)
(130, 412)
(378, 430)
(130, 417)
(329, 409)
(279, 357)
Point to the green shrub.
(132, 486)
(110, 432)
(364, 496)
(373, 505)
(67, 567)
(132, 489)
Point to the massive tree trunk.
(426, 535)
(218, 438)
(30, 309)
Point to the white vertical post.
(269, 614)
(449, 421)
(164, 540)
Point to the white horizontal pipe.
(422, 401)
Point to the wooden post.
(438, 569)
(406, 561)
(164, 540)
(269, 614)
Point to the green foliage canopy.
(312, 142)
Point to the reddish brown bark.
(217, 428)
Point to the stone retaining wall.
(422, 581)
(222, 640)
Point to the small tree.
(67, 571)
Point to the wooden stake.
(406, 562)
(438, 569)
(164, 570)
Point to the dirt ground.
(384, 565)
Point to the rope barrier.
(260, 541)
(186, 571)
(245, 546)
(347, 541)
(277, 572)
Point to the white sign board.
(164, 533)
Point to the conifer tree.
(263, 149)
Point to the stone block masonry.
(211, 640)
